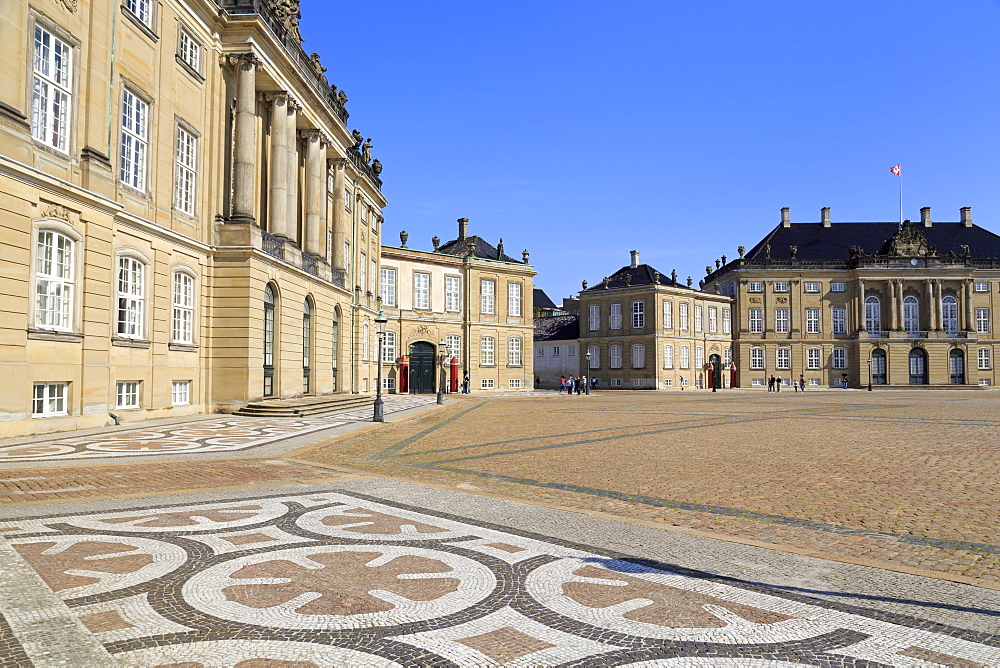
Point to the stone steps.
(303, 406)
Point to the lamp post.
(443, 351)
(589, 380)
(869, 373)
(380, 321)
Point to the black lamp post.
(380, 321)
(443, 347)
(589, 380)
(869, 374)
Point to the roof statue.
(909, 241)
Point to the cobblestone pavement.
(906, 479)
(333, 576)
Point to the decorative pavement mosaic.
(331, 578)
(223, 434)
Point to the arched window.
(306, 345)
(335, 344)
(911, 314)
(949, 314)
(269, 301)
(873, 314)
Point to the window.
(51, 99)
(571, 350)
(269, 341)
(713, 319)
(615, 319)
(638, 382)
(595, 357)
(131, 297)
(134, 141)
(452, 294)
(616, 382)
(189, 50)
(685, 357)
(814, 382)
(348, 196)
(421, 290)
(683, 314)
(307, 344)
(756, 320)
(982, 320)
(812, 358)
(387, 286)
(638, 315)
(638, 356)
(347, 261)
(984, 358)
(984, 381)
(487, 351)
(54, 272)
(365, 341)
(594, 317)
(949, 314)
(487, 293)
(836, 287)
(812, 321)
(727, 356)
(615, 353)
(514, 300)
(668, 382)
(840, 358)
(180, 392)
(514, 383)
(668, 315)
(781, 286)
(363, 268)
(182, 316)
(185, 164)
(911, 314)
(127, 394)
(839, 321)
(487, 384)
(873, 314)
(540, 351)
(755, 286)
(812, 286)
(981, 286)
(781, 320)
(757, 381)
(389, 384)
(756, 358)
(513, 351)
(141, 9)
(48, 399)
(783, 358)
(727, 321)
(668, 356)
(454, 344)
(697, 318)
(389, 347)
(373, 276)
(699, 357)
(364, 215)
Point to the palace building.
(886, 304)
(188, 223)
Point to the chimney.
(463, 229)
(824, 214)
(925, 216)
(635, 259)
(966, 213)
(785, 220)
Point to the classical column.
(277, 209)
(315, 187)
(244, 136)
(339, 222)
(894, 305)
(967, 300)
(931, 305)
(860, 308)
(292, 173)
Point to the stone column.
(315, 188)
(277, 209)
(244, 136)
(339, 222)
(895, 305)
(860, 302)
(292, 173)
(967, 301)
(931, 305)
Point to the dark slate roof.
(541, 300)
(816, 242)
(557, 328)
(631, 277)
(481, 249)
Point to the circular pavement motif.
(339, 586)
(367, 524)
(213, 517)
(39, 450)
(276, 653)
(142, 445)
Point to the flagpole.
(900, 199)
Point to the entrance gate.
(421, 368)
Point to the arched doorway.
(269, 302)
(918, 366)
(716, 379)
(878, 367)
(956, 366)
(421, 368)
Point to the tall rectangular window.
(487, 351)
(131, 297)
(389, 347)
(615, 355)
(783, 358)
(48, 399)
(421, 290)
(756, 358)
(387, 286)
(812, 358)
(182, 316)
(638, 356)
(452, 294)
(683, 315)
(727, 321)
(668, 356)
(185, 165)
(685, 357)
(487, 297)
(781, 320)
(454, 344)
(189, 50)
(141, 9)
(180, 392)
(713, 319)
(51, 101)
(134, 141)
(54, 280)
(698, 318)
(982, 320)
(615, 318)
(594, 317)
(127, 394)
(347, 261)
(839, 321)
(812, 321)
(514, 300)
(699, 357)
(840, 358)
(984, 359)
(373, 276)
(668, 315)
(595, 357)
(514, 351)
(638, 315)
(363, 269)
(756, 320)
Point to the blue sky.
(582, 130)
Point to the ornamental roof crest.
(909, 241)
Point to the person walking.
(777, 384)
(569, 386)
(562, 384)
(802, 382)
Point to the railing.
(957, 335)
(310, 264)
(914, 334)
(272, 245)
(337, 276)
(877, 335)
(364, 167)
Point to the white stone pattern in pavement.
(333, 579)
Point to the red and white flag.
(895, 169)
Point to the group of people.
(573, 383)
(774, 384)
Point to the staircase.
(304, 406)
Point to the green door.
(421, 368)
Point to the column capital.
(293, 105)
(315, 134)
(338, 164)
(273, 96)
(237, 60)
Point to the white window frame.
(756, 358)
(838, 286)
(685, 357)
(49, 400)
(682, 313)
(839, 358)
(182, 307)
(638, 356)
(638, 314)
(615, 316)
(134, 148)
(130, 291)
(668, 314)
(616, 382)
(540, 351)
(55, 279)
(141, 9)
(949, 313)
(783, 358)
(811, 286)
(713, 320)
(514, 292)
(180, 392)
(487, 351)
(781, 286)
(373, 276)
(365, 341)
(813, 359)
(421, 290)
(911, 314)
(594, 317)
(487, 384)
(981, 286)
(698, 317)
(555, 351)
(781, 321)
(189, 49)
(812, 321)
(389, 347)
(487, 296)
(453, 344)
(615, 356)
(514, 351)
(727, 321)
(839, 320)
(514, 383)
(347, 262)
(755, 286)
(668, 356)
(127, 394)
(699, 357)
(363, 269)
(982, 320)
(755, 320)
(388, 384)
(984, 359)
(387, 285)
(52, 90)
(452, 294)
(185, 170)
(595, 357)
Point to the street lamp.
(443, 347)
(589, 380)
(869, 373)
(380, 321)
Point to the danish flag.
(895, 169)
